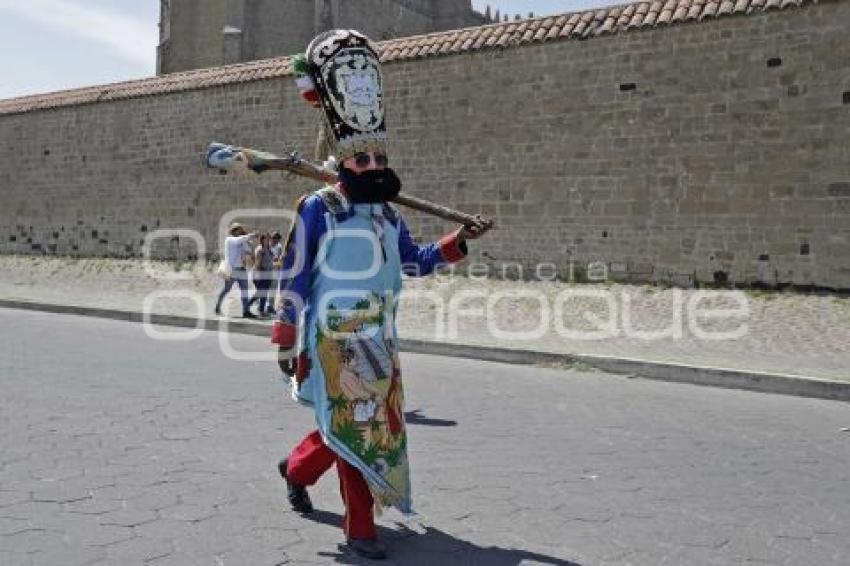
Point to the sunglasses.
(364, 159)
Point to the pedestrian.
(277, 249)
(341, 278)
(236, 247)
(264, 276)
(277, 261)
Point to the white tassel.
(330, 164)
(305, 84)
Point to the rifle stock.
(228, 158)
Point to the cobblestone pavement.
(792, 333)
(117, 449)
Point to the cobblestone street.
(117, 449)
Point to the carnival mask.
(342, 74)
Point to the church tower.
(455, 14)
(195, 34)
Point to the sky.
(50, 45)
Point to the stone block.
(841, 190)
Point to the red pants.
(310, 459)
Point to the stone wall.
(710, 152)
(96, 179)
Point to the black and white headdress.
(341, 74)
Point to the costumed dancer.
(341, 280)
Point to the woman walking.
(264, 276)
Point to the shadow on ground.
(432, 547)
(417, 418)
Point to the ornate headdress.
(341, 74)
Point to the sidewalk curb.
(784, 384)
(764, 382)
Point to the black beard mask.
(374, 186)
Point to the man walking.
(236, 247)
(342, 277)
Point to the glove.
(475, 231)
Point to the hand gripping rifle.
(227, 158)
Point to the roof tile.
(694, 12)
(580, 27)
(553, 32)
(608, 25)
(652, 14)
(710, 10)
(726, 7)
(617, 19)
(567, 30)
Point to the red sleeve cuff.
(283, 334)
(452, 249)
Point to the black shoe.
(370, 548)
(249, 315)
(297, 494)
(218, 311)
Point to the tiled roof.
(580, 25)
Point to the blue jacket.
(416, 260)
